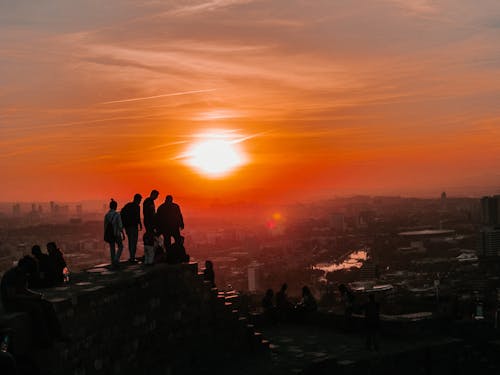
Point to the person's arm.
(138, 216)
(119, 225)
(181, 219)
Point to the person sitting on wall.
(209, 274)
(57, 259)
(16, 297)
(177, 253)
(306, 306)
(46, 276)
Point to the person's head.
(27, 265)
(51, 247)
(154, 194)
(306, 291)
(113, 205)
(209, 265)
(169, 199)
(36, 251)
(284, 287)
(137, 198)
(269, 293)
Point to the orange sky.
(335, 97)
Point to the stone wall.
(162, 319)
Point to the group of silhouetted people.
(41, 271)
(278, 308)
(167, 222)
(284, 309)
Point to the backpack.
(109, 232)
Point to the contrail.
(159, 96)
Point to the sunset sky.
(323, 98)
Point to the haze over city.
(300, 99)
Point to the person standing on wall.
(131, 220)
(149, 210)
(169, 222)
(113, 233)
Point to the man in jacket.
(131, 220)
(169, 222)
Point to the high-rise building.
(489, 235)
(254, 270)
(490, 207)
(443, 201)
(489, 242)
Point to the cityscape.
(249, 187)
(426, 250)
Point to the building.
(254, 276)
(489, 234)
(489, 242)
(490, 207)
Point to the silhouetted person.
(46, 276)
(57, 259)
(177, 252)
(268, 308)
(149, 210)
(131, 220)
(208, 273)
(169, 221)
(348, 300)
(283, 305)
(149, 247)
(16, 297)
(372, 322)
(308, 302)
(113, 233)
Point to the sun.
(216, 154)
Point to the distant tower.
(443, 201)
(33, 207)
(79, 210)
(52, 207)
(16, 210)
(254, 276)
(489, 235)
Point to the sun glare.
(216, 154)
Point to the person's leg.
(112, 252)
(166, 241)
(132, 241)
(119, 244)
(177, 236)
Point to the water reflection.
(352, 260)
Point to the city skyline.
(383, 97)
